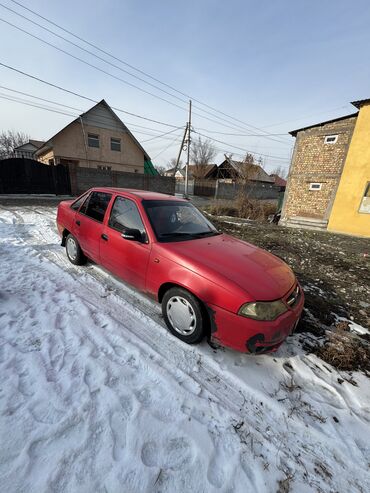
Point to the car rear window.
(96, 205)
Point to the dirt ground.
(334, 271)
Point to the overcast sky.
(274, 65)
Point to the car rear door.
(128, 259)
(88, 227)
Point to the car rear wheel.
(74, 252)
(183, 315)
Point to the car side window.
(96, 205)
(125, 215)
(77, 203)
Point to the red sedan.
(209, 283)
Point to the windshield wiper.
(193, 235)
(163, 235)
(206, 233)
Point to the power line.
(238, 135)
(41, 99)
(306, 116)
(35, 105)
(82, 111)
(84, 97)
(127, 64)
(162, 135)
(118, 78)
(93, 121)
(100, 58)
(177, 139)
(240, 148)
(90, 64)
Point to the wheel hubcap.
(72, 248)
(181, 315)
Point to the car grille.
(293, 297)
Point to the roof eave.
(293, 133)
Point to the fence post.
(216, 190)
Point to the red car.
(209, 283)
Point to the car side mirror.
(132, 234)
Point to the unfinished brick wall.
(317, 162)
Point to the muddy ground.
(334, 271)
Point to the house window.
(365, 202)
(104, 168)
(315, 186)
(93, 140)
(331, 139)
(115, 144)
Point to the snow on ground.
(96, 395)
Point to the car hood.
(262, 275)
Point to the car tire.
(183, 315)
(74, 252)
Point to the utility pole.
(180, 151)
(188, 141)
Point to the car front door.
(128, 259)
(88, 227)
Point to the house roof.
(280, 182)
(49, 144)
(255, 172)
(294, 132)
(360, 103)
(35, 143)
(203, 169)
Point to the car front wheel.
(183, 315)
(74, 252)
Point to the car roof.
(141, 194)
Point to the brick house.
(96, 139)
(329, 176)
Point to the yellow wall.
(345, 216)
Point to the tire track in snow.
(188, 366)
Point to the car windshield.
(177, 221)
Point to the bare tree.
(9, 140)
(202, 152)
(161, 169)
(280, 171)
(245, 170)
(172, 163)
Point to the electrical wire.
(82, 96)
(97, 121)
(175, 141)
(82, 111)
(125, 63)
(119, 68)
(237, 147)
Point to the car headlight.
(263, 310)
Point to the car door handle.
(78, 223)
(104, 237)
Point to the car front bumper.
(253, 336)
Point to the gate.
(19, 175)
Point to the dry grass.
(243, 207)
(345, 350)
